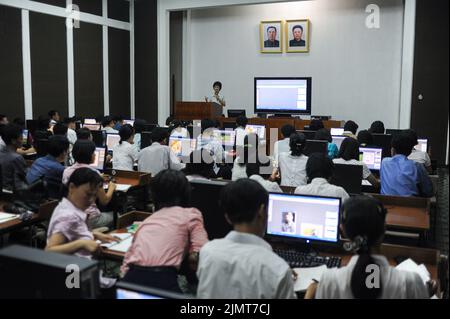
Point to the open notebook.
(305, 276)
(126, 240)
(6, 217)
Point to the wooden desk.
(131, 177)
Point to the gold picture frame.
(271, 42)
(294, 28)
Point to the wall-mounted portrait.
(271, 34)
(297, 36)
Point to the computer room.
(273, 151)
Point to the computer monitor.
(125, 290)
(309, 135)
(336, 131)
(25, 136)
(146, 139)
(304, 218)
(205, 195)
(90, 121)
(181, 146)
(130, 122)
(393, 132)
(349, 177)
(100, 159)
(99, 137)
(93, 127)
(423, 145)
(338, 140)
(149, 127)
(112, 140)
(383, 141)
(371, 157)
(313, 146)
(226, 137)
(32, 125)
(236, 113)
(257, 129)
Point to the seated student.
(349, 154)
(50, 167)
(84, 134)
(84, 154)
(108, 125)
(124, 153)
(241, 123)
(53, 117)
(68, 232)
(158, 156)
(247, 154)
(365, 139)
(315, 125)
(364, 224)
(282, 146)
(350, 129)
(138, 128)
(261, 171)
(417, 155)
(292, 165)
(43, 130)
(12, 164)
(71, 129)
(177, 130)
(167, 237)
(401, 176)
(60, 129)
(325, 135)
(377, 127)
(206, 141)
(242, 265)
(119, 121)
(319, 170)
(200, 166)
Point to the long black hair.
(297, 143)
(125, 133)
(364, 224)
(349, 149)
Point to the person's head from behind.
(316, 125)
(261, 166)
(217, 87)
(349, 149)
(413, 136)
(43, 124)
(351, 126)
(365, 138)
(200, 163)
(297, 32)
(108, 121)
(84, 134)
(12, 135)
(245, 205)
(159, 135)
(83, 151)
(139, 125)
(377, 127)
(60, 129)
(169, 120)
(271, 33)
(170, 188)
(58, 147)
(126, 134)
(241, 121)
(71, 122)
(119, 120)
(297, 143)
(287, 130)
(323, 135)
(3, 119)
(319, 165)
(83, 186)
(363, 223)
(54, 115)
(207, 125)
(402, 144)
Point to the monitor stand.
(282, 115)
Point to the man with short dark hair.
(401, 176)
(12, 164)
(242, 265)
(54, 117)
(297, 32)
(271, 41)
(350, 129)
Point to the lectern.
(197, 110)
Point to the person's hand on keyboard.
(294, 274)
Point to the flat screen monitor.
(130, 122)
(349, 177)
(25, 136)
(112, 140)
(182, 147)
(309, 135)
(338, 140)
(149, 127)
(393, 132)
(125, 290)
(99, 138)
(422, 146)
(283, 95)
(100, 158)
(337, 131)
(383, 141)
(257, 129)
(304, 218)
(93, 127)
(225, 137)
(371, 157)
(316, 147)
(90, 121)
(235, 113)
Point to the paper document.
(305, 276)
(365, 182)
(123, 246)
(119, 187)
(121, 236)
(410, 265)
(5, 217)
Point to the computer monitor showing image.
(130, 122)
(257, 129)
(90, 121)
(112, 140)
(225, 137)
(99, 161)
(304, 218)
(336, 131)
(422, 146)
(93, 127)
(25, 137)
(181, 146)
(371, 157)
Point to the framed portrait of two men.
(293, 35)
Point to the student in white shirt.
(200, 166)
(292, 165)
(319, 170)
(246, 154)
(363, 223)
(108, 125)
(241, 123)
(242, 265)
(417, 155)
(261, 172)
(125, 154)
(349, 154)
(283, 145)
(158, 156)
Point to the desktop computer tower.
(36, 274)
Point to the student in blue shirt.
(401, 176)
(49, 167)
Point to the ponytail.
(125, 132)
(297, 143)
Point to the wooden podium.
(197, 110)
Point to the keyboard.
(298, 259)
